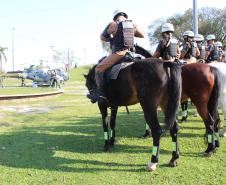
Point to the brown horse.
(201, 83)
(151, 83)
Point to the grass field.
(59, 141)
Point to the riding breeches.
(110, 61)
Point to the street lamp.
(13, 46)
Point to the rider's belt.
(169, 58)
(114, 49)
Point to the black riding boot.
(98, 94)
(101, 97)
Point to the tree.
(2, 57)
(64, 56)
(211, 21)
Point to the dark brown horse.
(201, 83)
(151, 83)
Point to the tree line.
(210, 21)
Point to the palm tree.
(2, 57)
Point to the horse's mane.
(91, 72)
(140, 50)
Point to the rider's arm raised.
(138, 32)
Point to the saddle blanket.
(113, 74)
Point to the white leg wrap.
(223, 132)
(151, 166)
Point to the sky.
(38, 27)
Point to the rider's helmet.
(188, 33)
(199, 38)
(167, 27)
(210, 37)
(218, 44)
(118, 13)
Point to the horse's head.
(90, 80)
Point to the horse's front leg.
(156, 134)
(104, 113)
(114, 111)
(150, 114)
(175, 153)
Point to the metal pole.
(13, 46)
(195, 18)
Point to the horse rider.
(120, 33)
(212, 52)
(168, 47)
(220, 51)
(168, 50)
(190, 49)
(199, 39)
(189, 52)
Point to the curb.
(30, 96)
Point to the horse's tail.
(214, 97)
(174, 93)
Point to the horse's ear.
(85, 76)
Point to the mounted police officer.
(189, 52)
(168, 47)
(199, 39)
(220, 51)
(212, 52)
(190, 49)
(120, 33)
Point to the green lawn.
(63, 146)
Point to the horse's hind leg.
(209, 124)
(223, 106)
(216, 129)
(150, 114)
(114, 111)
(175, 153)
(104, 113)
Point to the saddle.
(113, 72)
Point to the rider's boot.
(98, 94)
(101, 97)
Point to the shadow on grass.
(35, 147)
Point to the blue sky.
(74, 24)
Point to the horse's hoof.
(111, 146)
(183, 119)
(112, 143)
(223, 133)
(208, 154)
(217, 144)
(173, 163)
(146, 135)
(151, 166)
(106, 148)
